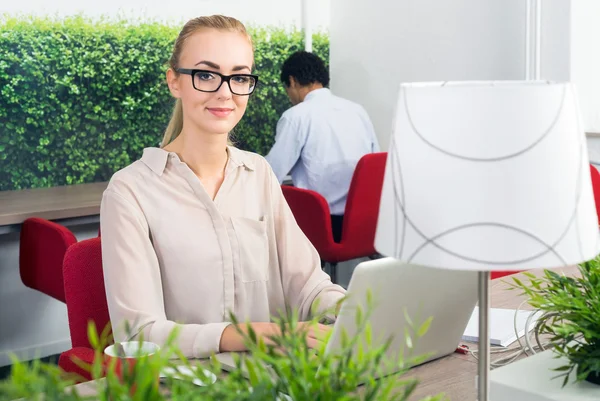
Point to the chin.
(219, 127)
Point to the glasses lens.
(242, 84)
(206, 81)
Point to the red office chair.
(596, 188)
(86, 301)
(360, 217)
(42, 247)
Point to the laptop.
(397, 289)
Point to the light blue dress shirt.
(319, 142)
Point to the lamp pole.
(306, 28)
(533, 40)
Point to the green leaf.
(93, 335)
(407, 318)
(424, 327)
(407, 338)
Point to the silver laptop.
(396, 290)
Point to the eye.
(205, 76)
(241, 79)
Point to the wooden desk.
(56, 203)
(455, 374)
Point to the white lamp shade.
(488, 176)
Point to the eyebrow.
(217, 67)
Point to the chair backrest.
(596, 188)
(311, 212)
(42, 247)
(84, 290)
(362, 205)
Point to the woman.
(198, 229)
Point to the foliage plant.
(283, 368)
(81, 98)
(571, 317)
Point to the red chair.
(498, 274)
(596, 188)
(42, 247)
(86, 301)
(360, 217)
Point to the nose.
(224, 90)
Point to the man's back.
(321, 140)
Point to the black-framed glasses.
(211, 81)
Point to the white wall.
(585, 59)
(570, 51)
(556, 40)
(378, 44)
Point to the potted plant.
(571, 317)
(285, 369)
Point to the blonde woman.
(197, 228)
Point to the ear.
(173, 82)
(293, 83)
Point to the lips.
(219, 111)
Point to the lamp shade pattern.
(488, 176)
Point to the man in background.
(322, 137)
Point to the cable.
(511, 357)
(538, 327)
(514, 354)
(527, 339)
(517, 330)
(528, 348)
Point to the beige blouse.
(173, 255)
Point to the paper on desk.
(502, 327)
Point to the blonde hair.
(219, 22)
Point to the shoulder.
(252, 161)
(125, 177)
(149, 167)
(258, 166)
(124, 184)
(350, 104)
(297, 112)
(354, 107)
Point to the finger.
(318, 335)
(321, 331)
(325, 328)
(314, 343)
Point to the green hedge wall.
(80, 99)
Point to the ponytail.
(175, 125)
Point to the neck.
(205, 154)
(305, 90)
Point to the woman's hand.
(233, 341)
(316, 333)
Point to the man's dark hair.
(306, 68)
